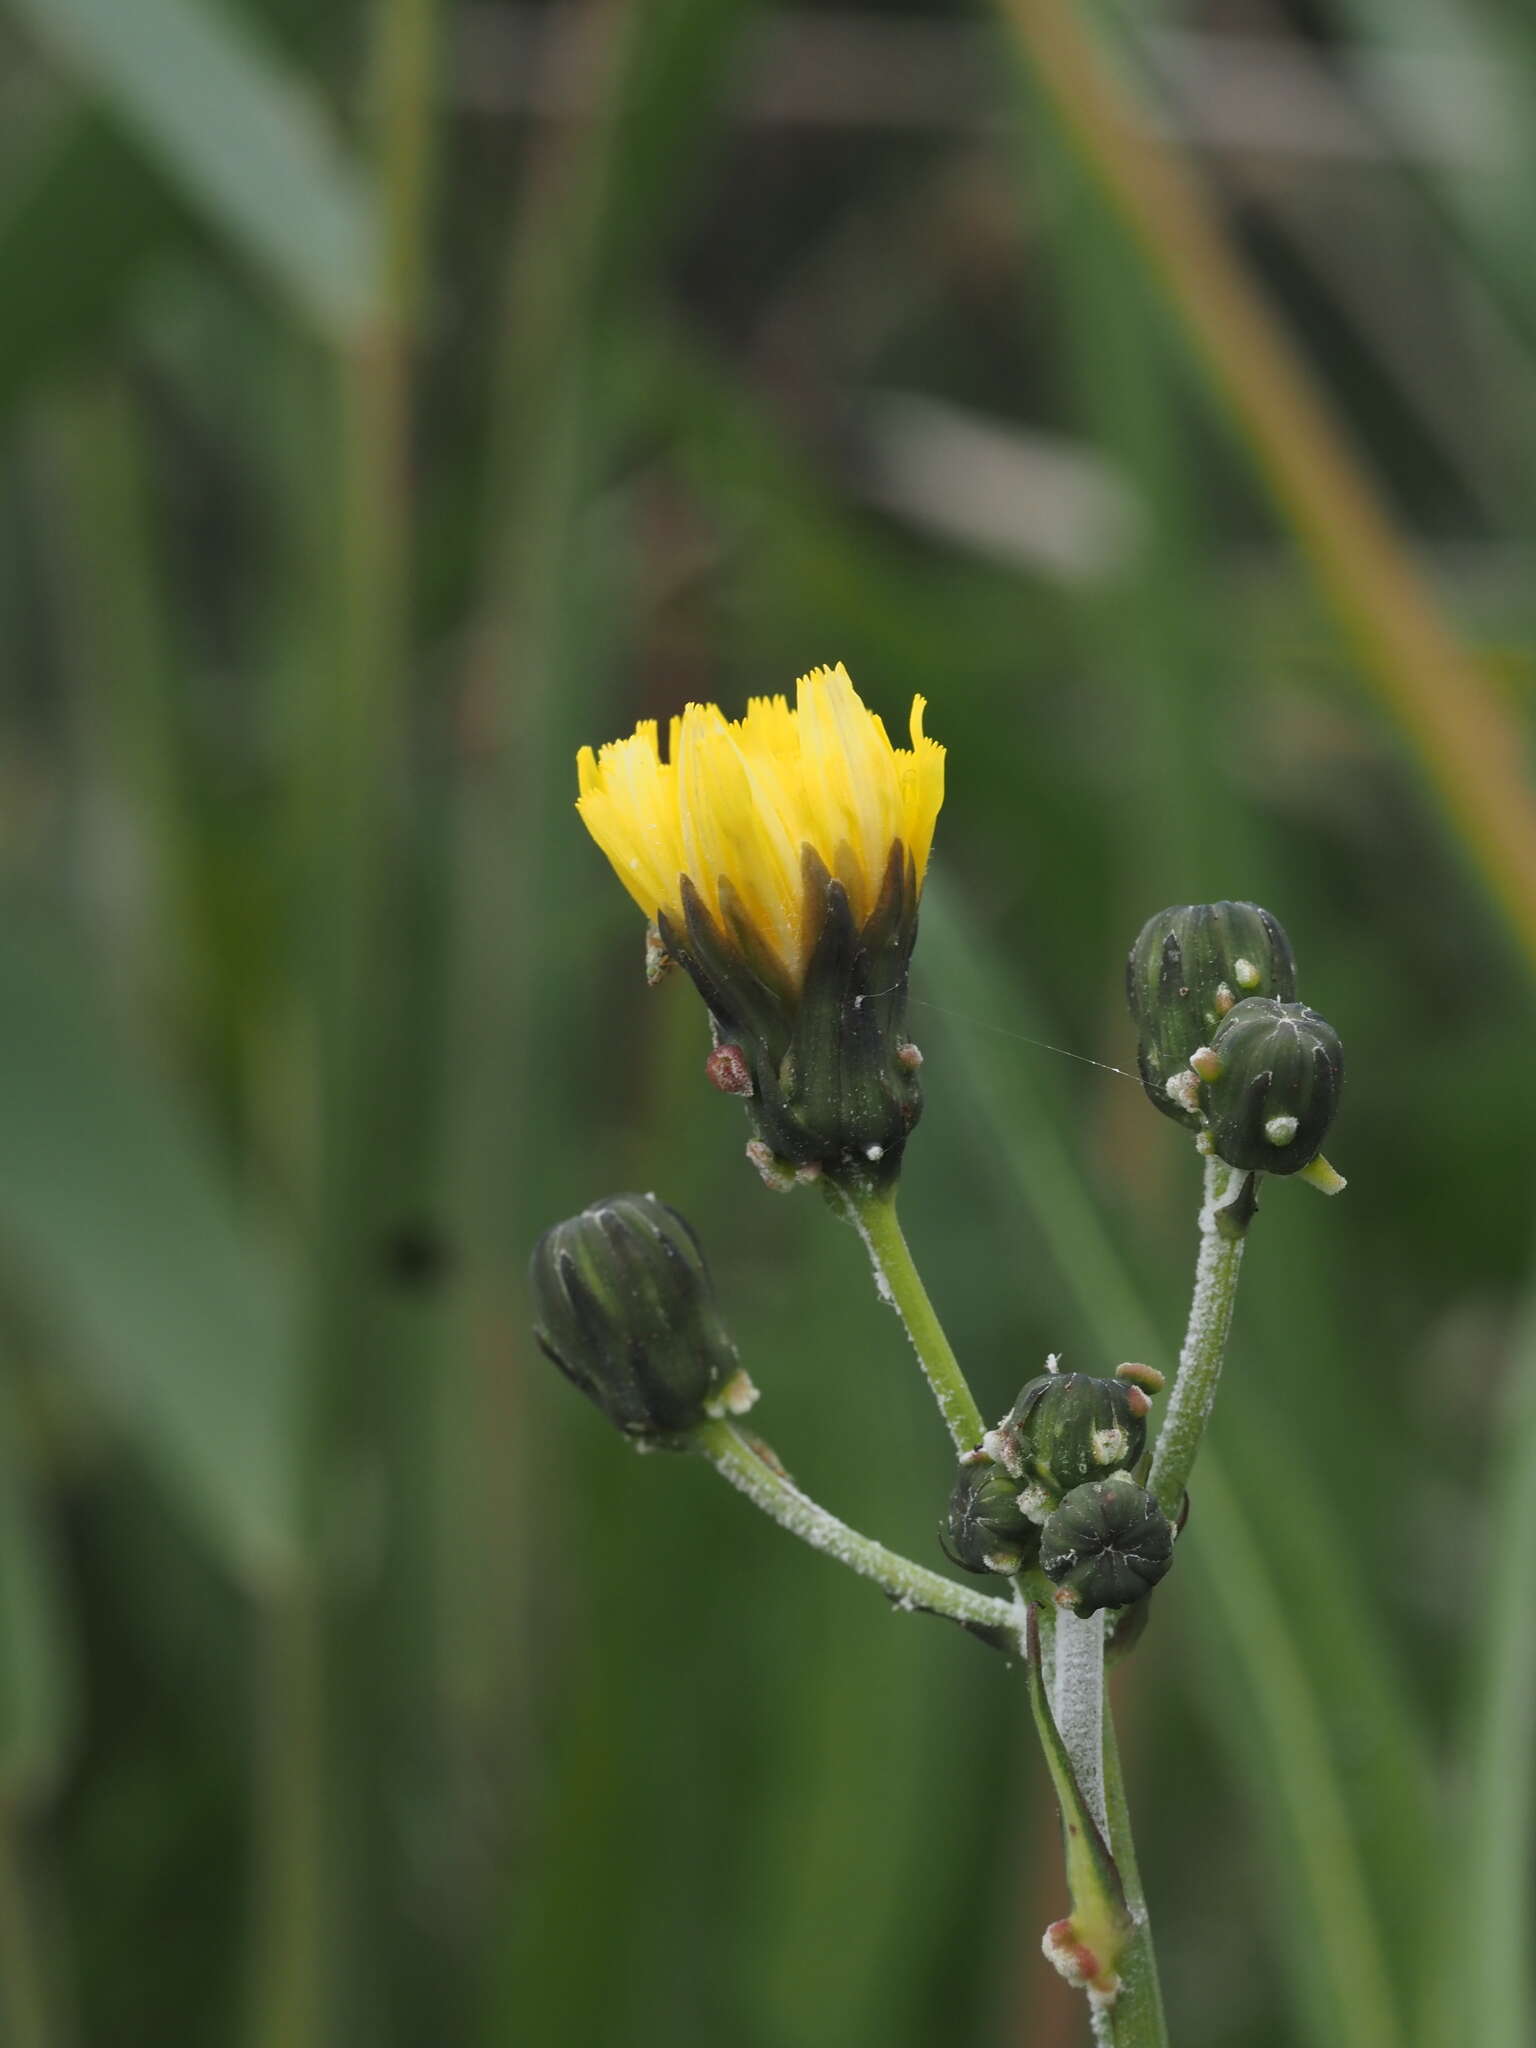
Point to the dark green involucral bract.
(625, 1308)
(1189, 966)
(1107, 1545)
(1067, 1427)
(830, 1081)
(985, 1529)
(1272, 1096)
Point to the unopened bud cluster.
(1223, 1045)
(1034, 1491)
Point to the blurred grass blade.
(1488, 1968)
(38, 1718)
(1468, 742)
(1293, 1778)
(82, 186)
(37, 1692)
(1444, 71)
(109, 1198)
(1274, 1725)
(242, 137)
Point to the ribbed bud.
(1274, 1088)
(625, 1308)
(1065, 1428)
(984, 1528)
(1188, 968)
(1107, 1545)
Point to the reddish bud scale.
(727, 1068)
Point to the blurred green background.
(397, 393)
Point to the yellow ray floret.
(737, 799)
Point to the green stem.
(1136, 2018)
(900, 1284)
(1089, 1944)
(912, 1586)
(1205, 1344)
(1077, 1701)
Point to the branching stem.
(1136, 2019)
(912, 1586)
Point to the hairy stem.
(1078, 1738)
(1136, 2019)
(1088, 1944)
(900, 1284)
(1205, 1344)
(912, 1586)
(1081, 1710)
(1077, 1701)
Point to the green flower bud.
(1272, 1086)
(1065, 1428)
(1107, 1545)
(985, 1529)
(1187, 969)
(626, 1310)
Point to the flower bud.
(1189, 967)
(1065, 1428)
(625, 1308)
(1274, 1085)
(1107, 1545)
(985, 1529)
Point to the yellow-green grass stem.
(873, 1215)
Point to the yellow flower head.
(780, 859)
(738, 802)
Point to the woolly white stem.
(912, 1586)
(1077, 1702)
(1205, 1344)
